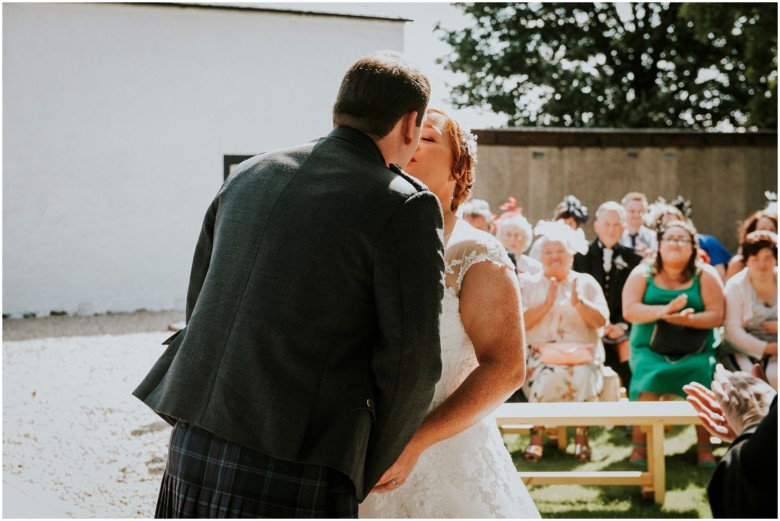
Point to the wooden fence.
(724, 175)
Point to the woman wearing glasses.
(677, 289)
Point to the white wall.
(116, 119)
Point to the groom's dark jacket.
(312, 331)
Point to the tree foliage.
(637, 65)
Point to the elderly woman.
(678, 290)
(565, 312)
(515, 234)
(760, 220)
(572, 213)
(477, 213)
(751, 305)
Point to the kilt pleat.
(209, 477)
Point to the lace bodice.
(470, 475)
(464, 248)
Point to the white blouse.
(740, 301)
(563, 323)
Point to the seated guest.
(679, 290)
(741, 409)
(718, 254)
(751, 305)
(515, 234)
(477, 213)
(610, 263)
(637, 235)
(571, 212)
(760, 220)
(662, 213)
(565, 313)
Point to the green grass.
(686, 484)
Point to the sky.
(421, 46)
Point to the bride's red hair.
(462, 160)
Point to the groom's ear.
(409, 127)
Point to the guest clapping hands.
(741, 409)
(565, 312)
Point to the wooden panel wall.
(725, 177)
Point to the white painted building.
(117, 119)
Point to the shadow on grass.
(626, 514)
(685, 482)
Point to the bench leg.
(562, 441)
(648, 491)
(657, 462)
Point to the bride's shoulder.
(467, 242)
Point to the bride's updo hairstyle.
(464, 157)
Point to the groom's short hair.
(377, 91)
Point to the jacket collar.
(358, 139)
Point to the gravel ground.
(76, 443)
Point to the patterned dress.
(563, 323)
(470, 475)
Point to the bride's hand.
(396, 475)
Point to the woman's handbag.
(674, 340)
(566, 353)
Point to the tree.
(747, 34)
(619, 65)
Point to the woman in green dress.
(677, 289)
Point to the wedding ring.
(395, 483)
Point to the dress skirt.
(208, 476)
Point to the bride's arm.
(491, 314)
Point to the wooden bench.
(652, 417)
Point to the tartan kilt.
(207, 476)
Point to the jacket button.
(370, 403)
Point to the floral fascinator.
(771, 202)
(575, 209)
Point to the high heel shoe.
(704, 456)
(638, 454)
(533, 452)
(582, 450)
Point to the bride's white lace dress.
(471, 474)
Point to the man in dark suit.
(298, 380)
(610, 263)
(741, 409)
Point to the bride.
(456, 464)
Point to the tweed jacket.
(624, 259)
(312, 323)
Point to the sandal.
(582, 450)
(639, 453)
(533, 452)
(704, 456)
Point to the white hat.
(558, 231)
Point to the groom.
(298, 379)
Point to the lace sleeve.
(473, 250)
